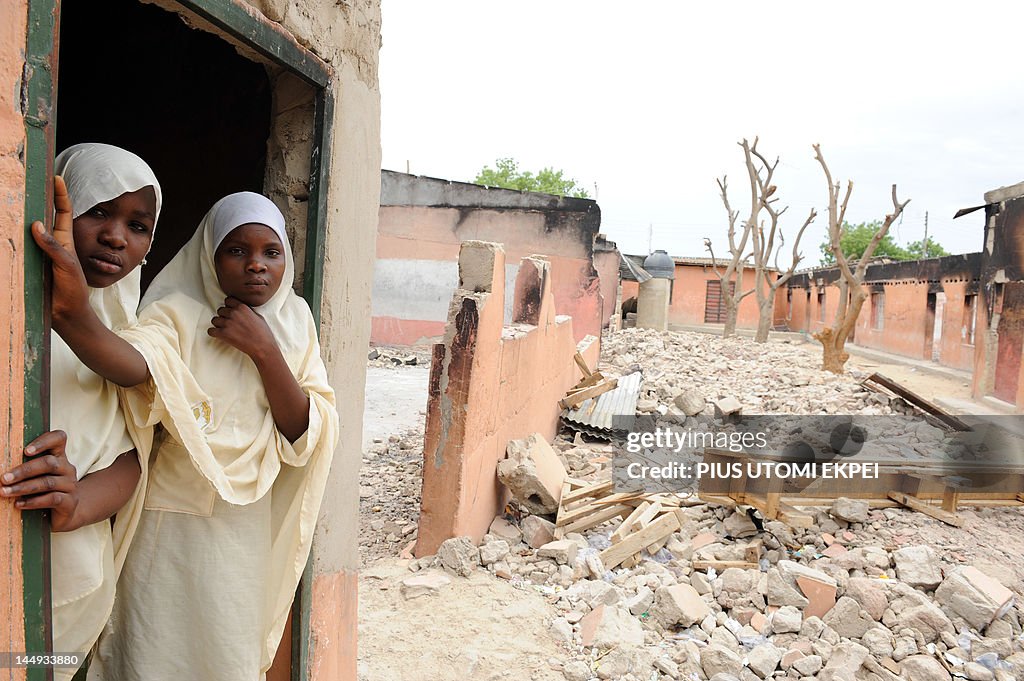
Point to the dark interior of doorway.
(184, 100)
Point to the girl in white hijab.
(238, 475)
(114, 204)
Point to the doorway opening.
(194, 109)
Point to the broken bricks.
(533, 473)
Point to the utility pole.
(925, 249)
(650, 238)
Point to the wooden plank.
(660, 528)
(658, 545)
(576, 483)
(583, 511)
(598, 489)
(914, 398)
(582, 364)
(623, 530)
(588, 381)
(793, 517)
(950, 499)
(918, 505)
(582, 396)
(587, 522)
(648, 516)
(724, 565)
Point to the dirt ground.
(481, 628)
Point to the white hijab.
(85, 563)
(210, 398)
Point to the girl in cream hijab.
(232, 371)
(114, 204)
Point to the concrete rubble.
(864, 594)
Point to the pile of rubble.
(389, 495)
(766, 378)
(384, 356)
(848, 599)
(865, 593)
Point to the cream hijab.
(85, 562)
(211, 399)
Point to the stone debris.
(533, 473)
(863, 594)
(426, 583)
(459, 555)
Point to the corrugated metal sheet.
(613, 411)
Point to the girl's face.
(113, 237)
(250, 264)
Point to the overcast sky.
(643, 104)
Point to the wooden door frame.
(246, 25)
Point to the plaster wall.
(490, 383)
(689, 296)
(423, 221)
(606, 262)
(12, 314)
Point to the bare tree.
(768, 277)
(731, 280)
(851, 290)
(763, 235)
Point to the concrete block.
(923, 668)
(536, 531)
(562, 551)
(850, 510)
(690, 402)
(459, 555)
(533, 473)
(426, 583)
(848, 619)
(975, 596)
(728, 408)
(763, 659)
(678, 604)
(607, 626)
(918, 566)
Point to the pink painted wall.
(490, 384)
(422, 222)
(689, 296)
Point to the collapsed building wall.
(1000, 314)
(921, 308)
(424, 220)
(489, 384)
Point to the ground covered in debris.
(861, 594)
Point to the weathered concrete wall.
(424, 220)
(999, 347)
(689, 296)
(907, 326)
(12, 314)
(606, 262)
(490, 384)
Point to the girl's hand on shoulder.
(241, 327)
(48, 480)
(70, 289)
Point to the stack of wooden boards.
(591, 385)
(648, 520)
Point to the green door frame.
(246, 25)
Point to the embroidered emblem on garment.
(202, 412)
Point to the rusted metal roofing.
(612, 412)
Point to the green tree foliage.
(916, 249)
(506, 174)
(856, 238)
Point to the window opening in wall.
(877, 310)
(821, 305)
(970, 318)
